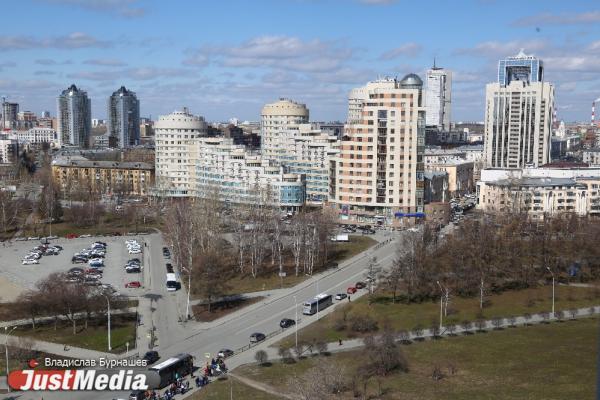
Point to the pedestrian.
(198, 382)
(348, 298)
(340, 342)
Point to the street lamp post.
(6, 349)
(317, 299)
(552, 273)
(296, 321)
(108, 316)
(187, 306)
(441, 304)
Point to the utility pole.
(552, 273)
(441, 305)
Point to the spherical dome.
(411, 81)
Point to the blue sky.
(227, 58)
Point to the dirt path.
(261, 386)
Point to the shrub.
(261, 357)
(363, 323)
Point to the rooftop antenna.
(434, 62)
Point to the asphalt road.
(166, 311)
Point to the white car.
(29, 261)
(135, 251)
(96, 261)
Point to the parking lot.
(26, 276)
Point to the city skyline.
(229, 59)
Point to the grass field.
(123, 329)
(247, 284)
(221, 390)
(546, 361)
(402, 316)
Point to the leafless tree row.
(492, 255)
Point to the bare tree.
(261, 357)
(299, 349)
(497, 322)
(320, 382)
(466, 325)
(480, 324)
(384, 355)
(450, 328)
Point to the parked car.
(75, 271)
(257, 337)
(78, 260)
(33, 238)
(87, 235)
(351, 290)
(286, 323)
(96, 260)
(360, 285)
(224, 353)
(169, 268)
(133, 284)
(137, 395)
(151, 357)
(29, 261)
(108, 289)
(341, 296)
(133, 270)
(93, 275)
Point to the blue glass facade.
(520, 68)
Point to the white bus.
(319, 303)
(172, 283)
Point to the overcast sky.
(227, 58)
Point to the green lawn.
(221, 390)
(402, 316)
(340, 252)
(123, 330)
(553, 361)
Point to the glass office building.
(521, 67)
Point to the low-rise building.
(75, 174)
(541, 196)
(37, 136)
(436, 187)
(9, 149)
(460, 175)
(437, 214)
(591, 156)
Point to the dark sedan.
(286, 323)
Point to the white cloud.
(590, 17)
(123, 8)
(75, 40)
(105, 62)
(408, 49)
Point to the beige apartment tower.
(277, 118)
(379, 174)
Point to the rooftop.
(82, 162)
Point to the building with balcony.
(77, 174)
(275, 118)
(239, 176)
(176, 152)
(378, 176)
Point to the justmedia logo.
(82, 379)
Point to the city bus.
(172, 283)
(319, 303)
(175, 367)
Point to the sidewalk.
(59, 349)
(27, 321)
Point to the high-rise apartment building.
(518, 115)
(10, 112)
(124, 118)
(74, 117)
(379, 174)
(175, 136)
(275, 118)
(438, 98)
